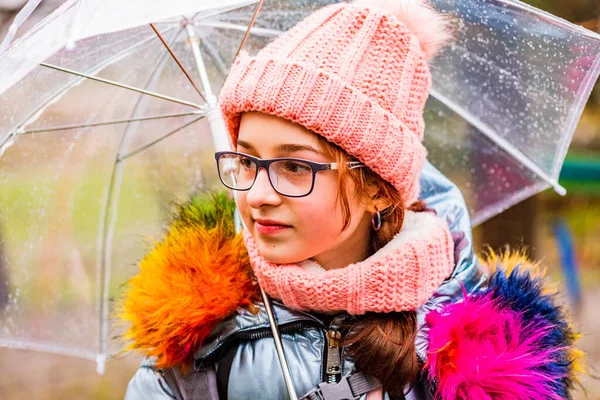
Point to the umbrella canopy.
(102, 128)
(507, 96)
(98, 139)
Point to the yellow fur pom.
(509, 259)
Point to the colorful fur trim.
(508, 341)
(170, 317)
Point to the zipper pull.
(333, 369)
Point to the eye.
(246, 162)
(295, 167)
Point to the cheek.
(317, 225)
(319, 213)
(319, 220)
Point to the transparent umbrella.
(102, 128)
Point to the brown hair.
(381, 345)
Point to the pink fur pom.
(431, 28)
(478, 350)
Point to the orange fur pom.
(188, 283)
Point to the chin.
(279, 255)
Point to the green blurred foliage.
(571, 10)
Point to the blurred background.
(562, 232)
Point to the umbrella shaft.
(195, 44)
(279, 347)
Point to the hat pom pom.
(431, 28)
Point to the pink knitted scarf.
(401, 276)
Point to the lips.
(269, 226)
(269, 222)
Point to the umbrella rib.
(585, 89)
(13, 132)
(48, 348)
(172, 21)
(176, 59)
(19, 19)
(103, 123)
(499, 141)
(250, 25)
(270, 33)
(152, 143)
(121, 85)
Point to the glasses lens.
(292, 178)
(236, 171)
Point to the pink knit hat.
(354, 73)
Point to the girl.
(376, 296)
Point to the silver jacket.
(245, 341)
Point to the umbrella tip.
(560, 189)
(70, 45)
(100, 364)
(7, 143)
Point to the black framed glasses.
(290, 177)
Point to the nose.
(262, 193)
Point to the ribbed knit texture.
(355, 75)
(401, 276)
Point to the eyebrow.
(284, 148)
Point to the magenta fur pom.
(480, 350)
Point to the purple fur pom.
(481, 350)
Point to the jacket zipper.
(333, 365)
(332, 371)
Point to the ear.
(378, 205)
(375, 203)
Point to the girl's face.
(290, 230)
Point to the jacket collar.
(245, 322)
(445, 198)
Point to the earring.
(376, 220)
